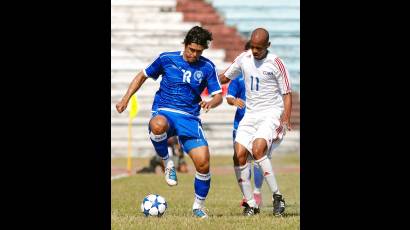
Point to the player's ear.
(268, 44)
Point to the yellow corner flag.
(133, 114)
(134, 107)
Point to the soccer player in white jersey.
(267, 116)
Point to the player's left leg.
(193, 142)
(269, 136)
(200, 158)
(259, 148)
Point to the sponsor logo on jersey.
(198, 76)
(267, 73)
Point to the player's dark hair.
(199, 36)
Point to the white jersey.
(266, 81)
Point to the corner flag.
(134, 107)
(133, 114)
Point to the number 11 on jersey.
(256, 82)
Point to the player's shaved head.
(259, 43)
(260, 35)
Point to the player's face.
(259, 49)
(192, 52)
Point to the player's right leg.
(158, 127)
(243, 173)
(243, 201)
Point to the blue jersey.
(182, 82)
(236, 89)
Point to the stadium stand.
(140, 30)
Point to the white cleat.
(171, 176)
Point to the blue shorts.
(187, 127)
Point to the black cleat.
(278, 205)
(248, 210)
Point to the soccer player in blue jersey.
(185, 74)
(236, 97)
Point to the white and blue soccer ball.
(153, 205)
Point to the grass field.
(222, 201)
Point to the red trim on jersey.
(283, 70)
(279, 130)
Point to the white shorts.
(264, 125)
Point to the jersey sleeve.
(233, 89)
(283, 77)
(234, 70)
(155, 69)
(214, 86)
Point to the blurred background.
(142, 29)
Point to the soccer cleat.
(249, 211)
(171, 176)
(200, 213)
(258, 198)
(278, 205)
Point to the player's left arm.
(214, 87)
(214, 102)
(285, 119)
(285, 89)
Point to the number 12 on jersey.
(256, 82)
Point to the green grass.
(222, 201)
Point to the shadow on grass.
(290, 214)
(285, 215)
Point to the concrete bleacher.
(140, 30)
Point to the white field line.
(119, 176)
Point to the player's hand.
(286, 123)
(205, 105)
(239, 103)
(121, 106)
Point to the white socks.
(198, 204)
(266, 167)
(168, 163)
(243, 176)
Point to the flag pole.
(132, 115)
(129, 146)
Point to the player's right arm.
(233, 71)
(152, 71)
(132, 88)
(223, 79)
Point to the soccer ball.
(153, 205)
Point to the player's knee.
(203, 167)
(258, 151)
(158, 125)
(235, 160)
(239, 159)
